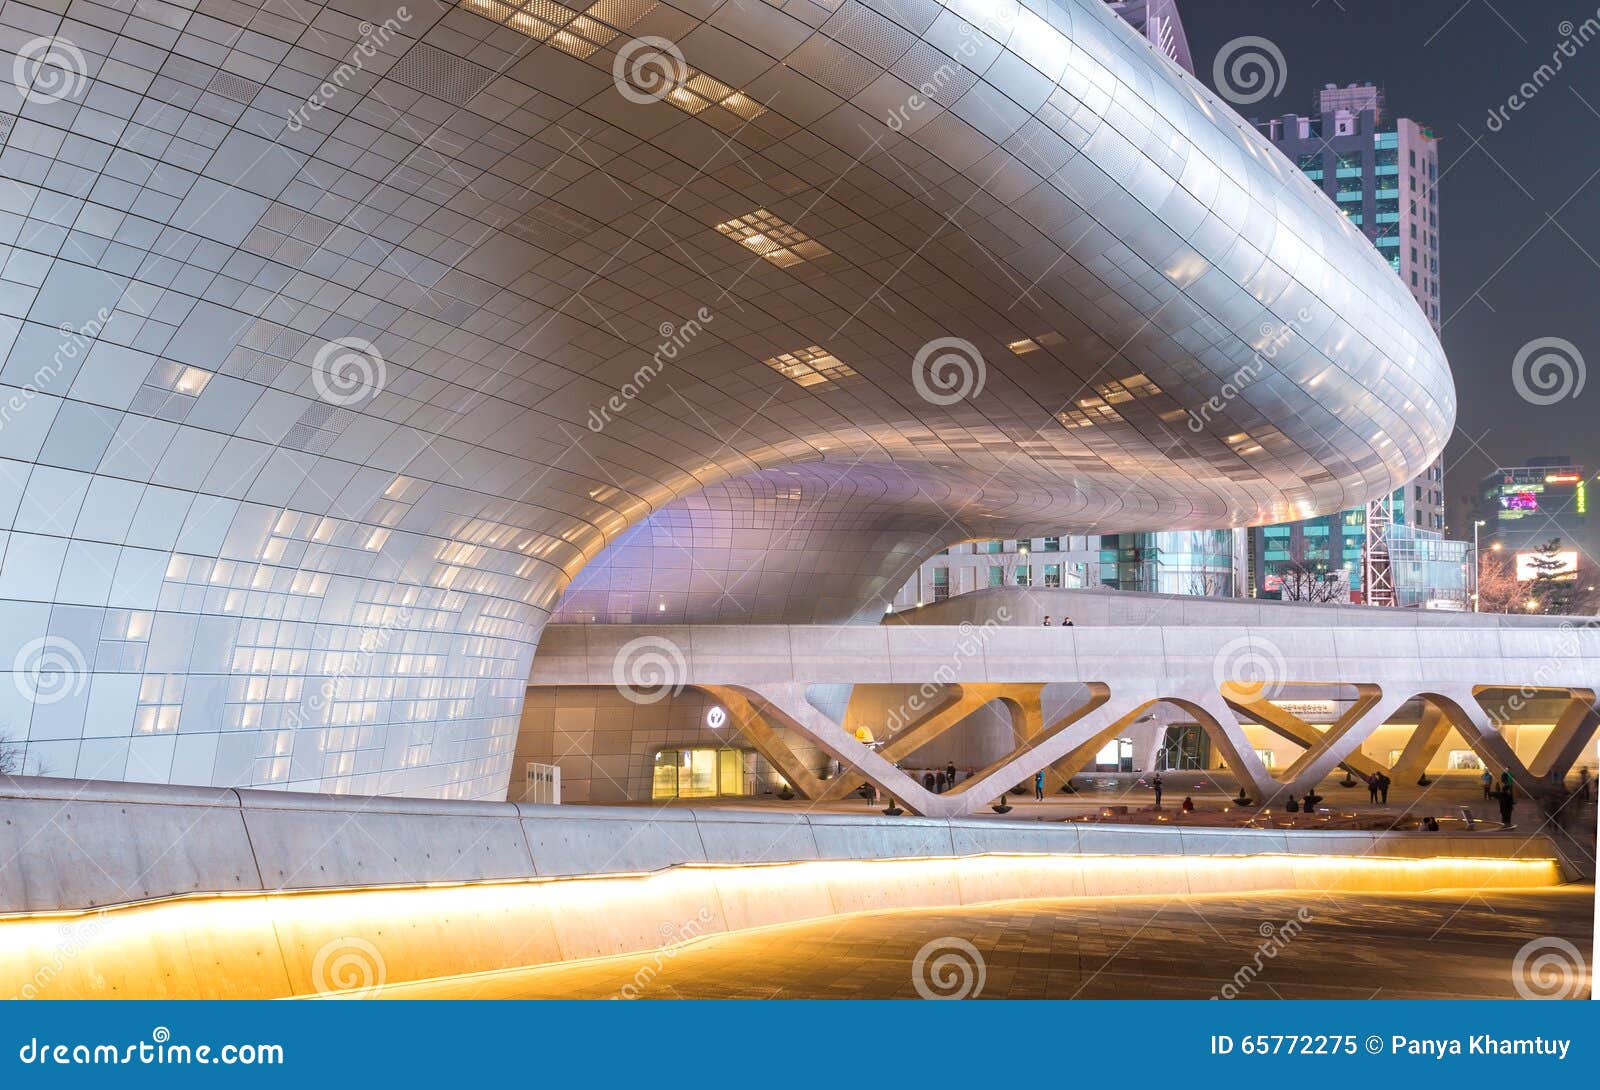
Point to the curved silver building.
(344, 347)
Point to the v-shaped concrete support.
(1433, 727)
(1460, 706)
(1573, 731)
(755, 727)
(1021, 701)
(1298, 731)
(1333, 747)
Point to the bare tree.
(1210, 584)
(1499, 591)
(1305, 579)
(1549, 591)
(13, 758)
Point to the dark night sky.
(1519, 213)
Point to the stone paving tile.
(1439, 945)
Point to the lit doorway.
(702, 772)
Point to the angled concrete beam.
(754, 726)
(1433, 727)
(1370, 710)
(1296, 730)
(1573, 731)
(1461, 707)
(1022, 703)
(1338, 739)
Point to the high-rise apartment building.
(1383, 174)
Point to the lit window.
(772, 238)
(811, 366)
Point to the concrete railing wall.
(68, 845)
(120, 891)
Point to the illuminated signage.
(1562, 478)
(1567, 559)
(1520, 501)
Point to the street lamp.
(1476, 561)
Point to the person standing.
(1508, 801)
(1583, 783)
(1383, 788)
(1488, 784)
(1156, 783)
(1047, 620)
(1038, 786)
(938, 782)
(950, 774)
(1372, 787)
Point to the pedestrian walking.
(1038, 785)
(1156, 783)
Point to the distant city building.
(1524, 507)
(1209, 563)
(1158, 21)
(1382, 173)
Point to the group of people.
(1378, 787)
(940, 780)
(1066, 622)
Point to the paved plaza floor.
(1449, 945)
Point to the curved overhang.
(339, 346)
